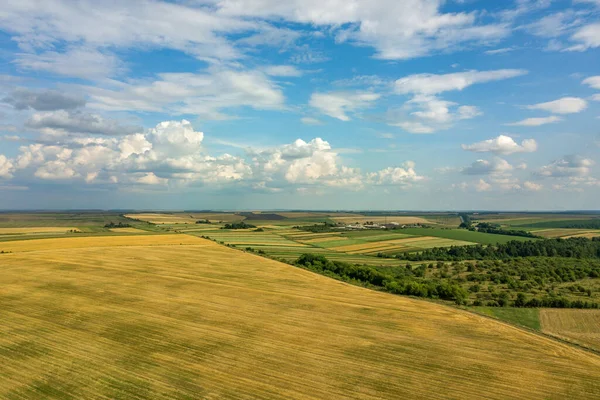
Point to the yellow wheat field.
(128, 230)
(184, 218)
(579, 326)
(386, 243)
(560, 232)
(46, 245)
(164, 218)
(132, 320)
(40, 229)
(588, 235)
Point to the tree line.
(569, 248)
(486, 227)
(117, 225)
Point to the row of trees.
(317, 228)
(117, 225)
(486, 227)
(570, 248)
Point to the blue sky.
(262, 104)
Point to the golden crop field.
(381, 220)
(367, 246)
(39, 229)
(185, 218)
(127, 230)
(579, 326)
(589, 235)
(216, 217)
(48, 245)
(413, 242)
(560, 232)
(127, 317)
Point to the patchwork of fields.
(364, 246)
(359, 247)
(566, 233)
(38, 230)
(175, 316)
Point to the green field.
(528, 317)
(288, 244)
(463, 234)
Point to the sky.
(302, 104)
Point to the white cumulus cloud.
(502, 145)
(482, 186)
(497, 166)
(568, 166)
(592, 81)
(6, 167)
(532, 186)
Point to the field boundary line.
(534, 331)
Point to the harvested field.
(368, 246)
(588, 235)
(579, 326)
(205, 321)
(39, 229)
(127, 230)
(420, 242)
(40, 245)
(559, 232)
(164, 218)
(216, 217)
(384, 236)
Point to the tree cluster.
(238, 225)
(117, 225)
(405, 284)
(317, 228)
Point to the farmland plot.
(579, 326)
(36, 230)
(199, 320)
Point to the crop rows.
(120, 319)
